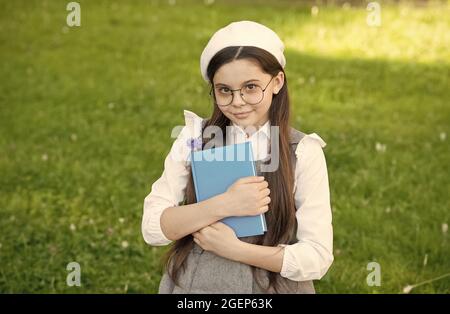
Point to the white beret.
(242, 33)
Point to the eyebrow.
(248, 81)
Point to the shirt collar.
(264, 129)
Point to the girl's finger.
(262, 185)
(265, 192)
(197, 235)
(214, 226)
(206, 229)
(217, 225)
(266, 200)
(251, 179)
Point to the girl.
(244, 63)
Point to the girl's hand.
(248, 196)
(219, 239)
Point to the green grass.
(86, 115)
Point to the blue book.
(215, 169)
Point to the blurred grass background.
(86, 114)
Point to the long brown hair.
(280, 218)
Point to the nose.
(237, 99)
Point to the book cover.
(215, 169)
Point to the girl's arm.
(247, 196)
(266, 257)
(311, 257)
(169, 190)
(179, 221)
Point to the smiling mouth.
(240, 113)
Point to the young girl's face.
(248, 75)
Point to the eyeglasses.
(251, 94)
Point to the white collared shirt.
(260, 139)
(309, 258)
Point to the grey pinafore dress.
(207, 272)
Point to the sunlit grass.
(406, 33)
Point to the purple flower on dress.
(194, 143)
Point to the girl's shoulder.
(193, 123)
(306, 143)
(186, 137)
(192, 128)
